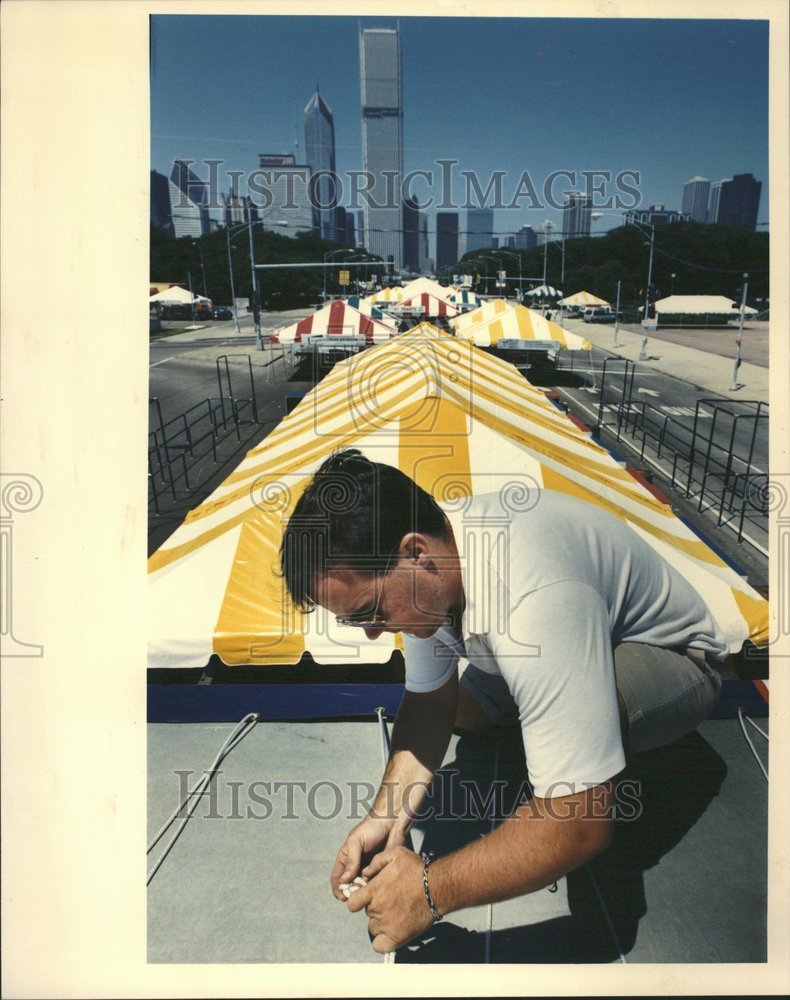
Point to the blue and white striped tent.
(465, 299)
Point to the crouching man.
(556, 615)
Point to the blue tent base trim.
(229, 702)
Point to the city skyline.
(707, 82)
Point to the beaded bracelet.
(427, 859)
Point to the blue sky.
(669, 99)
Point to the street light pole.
(520, 273)
(256, 305)
(643, 356)
(328, 256)
(739, 338)
(232, 289)
(617, 316)
(191, 297)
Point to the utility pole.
(739, 338)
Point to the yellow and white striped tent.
(420, 286)
(583, 299)
(519, 323)
(386, 295)
(488, 310)
(456, 420)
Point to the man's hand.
(393, 899)
(371, 835)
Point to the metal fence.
(709, 454)
(178, 446)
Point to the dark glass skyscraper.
(382, 139)
(319, 136)
(739, 202)
(446, 240)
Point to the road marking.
(648, 392)
(683, 411)
(161, 362)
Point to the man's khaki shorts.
(667, 692)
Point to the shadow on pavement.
(676, 784)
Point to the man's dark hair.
(353, 513)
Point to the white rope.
(741, 717)
(751, 722)
(608, 919)
(389, 956)
(490, 926)
(238, 734)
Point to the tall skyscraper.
(424, 259)
(411, 234)
(189, 202)
(319, 139)
(739, 202)
(287, 184)
(447, 255)
(713, 206)
(479, 229)
(576, 215)
(161, 212)
(382, 139)
(695, 198)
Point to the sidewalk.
(708, 371)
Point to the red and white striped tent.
(426, 305)
(338, 319)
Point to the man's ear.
(418, 551)
(414, 547)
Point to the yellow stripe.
(755, 613)
(553, 480)
(257, 622)
(434, 451)
(495, 333)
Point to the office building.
(411, 235)
(547, 232)
(285, 193)
(713, 205)
(525, 239)
(479, 229)
(739, 202)
(695, 199)
(447, 255)
(188, 202)
(345, 227)
(319, 136)
(576, 215)
(656, 215)
(425, 264)
(382, 139)
(161, 212)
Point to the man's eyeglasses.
(372, 618)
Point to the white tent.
(688, 305)
(175, 295)
(544, 292)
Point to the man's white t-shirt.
(549, 592)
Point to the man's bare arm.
(420, 737)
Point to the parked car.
(598, 314)
(222, 312)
